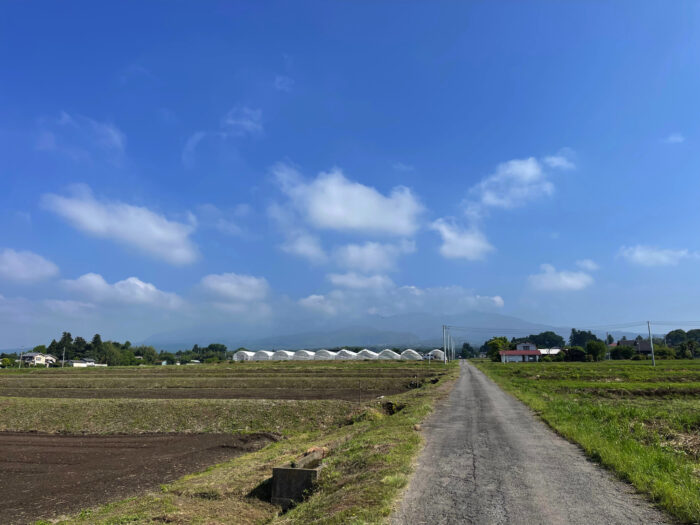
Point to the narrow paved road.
(489, 460)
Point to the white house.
(549, 351)
(38, 359)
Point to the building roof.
(519, 352)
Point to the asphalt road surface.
(489, 460)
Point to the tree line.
(114, 353)
(584, 345)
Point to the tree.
(581, 337)
(694, 335)
(610, 340)
(596, 349)
(495, 345)
(622, 352)
(7, 362)
(676, 337)
(467, 351)
(575, 353)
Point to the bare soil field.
(48, 475)
(346, 394)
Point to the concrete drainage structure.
(292, 482)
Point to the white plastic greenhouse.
(388, 354)
(262, 355)
(242, 355)
(437, 354)
(366, 354)
(282, 355)
(324, 355)
(411, 355)
(345, 355)
(304, 355)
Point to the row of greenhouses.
(328, 355)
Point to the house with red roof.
(523, 353)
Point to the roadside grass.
(643, 423)
(370, 458)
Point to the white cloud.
(333, 202)
(25, 266)
(587, 264)
(354, 280)
(674, 138)
(190, 149)
(130, 291)
(68, 307)
(652, 256)
(236, 287)
(134, 226)
(552, 280)
(372, 256)
(387, 299)
(242, 120)
(400, 166)
(80, 137)
(318, 303)
(305, 245)
(457, 243)
(283, 83)
(516, 182)
(562, 160)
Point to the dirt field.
(346, 394)
(49, 475)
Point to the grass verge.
(651, 442)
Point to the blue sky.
(166, 165)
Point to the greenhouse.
(345, 355)
(304, 355)
(411, 355)
(388, 354)
(262, 355)
(282, 355)
(242, 355)
(324, 355)
(437, 354)
(366, 354)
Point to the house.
(642, 346)
(77, 363)
(526, 346)
(549, 351)
(519, 356)
(38, 359)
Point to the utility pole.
(444, 344)
(651, 342)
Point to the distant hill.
(412, 329)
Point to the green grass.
(370, 458)
(641, 422)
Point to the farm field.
(640, 421)
(37, 468)
(285, 380)
(363, 413)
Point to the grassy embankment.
(370, 451)
(642, 422)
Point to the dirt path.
(489, 460)
(44, 475)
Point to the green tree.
(495, 345)
(610, 340)
(596, 349)
(467, 351)
(575, 353)
(581, 337)
(7, 362)
(676, 337)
